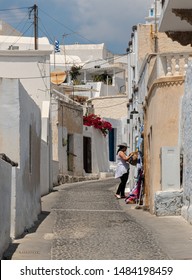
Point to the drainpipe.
(155, 35)
(113, 79)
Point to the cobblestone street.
(90, 224)
(84, 221)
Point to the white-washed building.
(102, 79)
(67, 138)
(5, 202)
(25, 131)
(20, 129)
(19, 60)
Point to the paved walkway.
(68, 210)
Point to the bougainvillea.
(98, 123)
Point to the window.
(152, 12)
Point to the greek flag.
(57, 47)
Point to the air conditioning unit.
(170, 168)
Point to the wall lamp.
(134, 112)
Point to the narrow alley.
(84, 221)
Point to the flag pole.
(54, 54)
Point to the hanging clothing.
(135, 194)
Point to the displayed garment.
(135, 194)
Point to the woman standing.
(122, 170)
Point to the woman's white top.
(122, 167)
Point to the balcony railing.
(169, 64)
(176, 64)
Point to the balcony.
(176, 21)
(169, 65)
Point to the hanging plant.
(98, 123)
(75, 72)
(104, 77)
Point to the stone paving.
(90, 224)
(84, 221)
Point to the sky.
(79, 21)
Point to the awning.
(176, 16)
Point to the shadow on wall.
(13, 246)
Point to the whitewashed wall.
(122, 130)
(100, 153)
(86, 52)
(5, 208)
(33, 70)
(23, 43)
(46, 153)
(45, 169)
(62, 149)
(29, 181)
(19, 118)
(55, 139)
(187, 146)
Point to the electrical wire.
(95, 107)
(57, 21)
(64, 53)
(22, 31)
(45, 31)
(21, 35)
(47, 34)
(73, 32)
(12, 9)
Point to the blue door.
(112, 145)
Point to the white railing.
(175, 64)
(169, 65)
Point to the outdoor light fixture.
(134, 112)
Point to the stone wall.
(168, 203)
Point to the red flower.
(98, 123)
